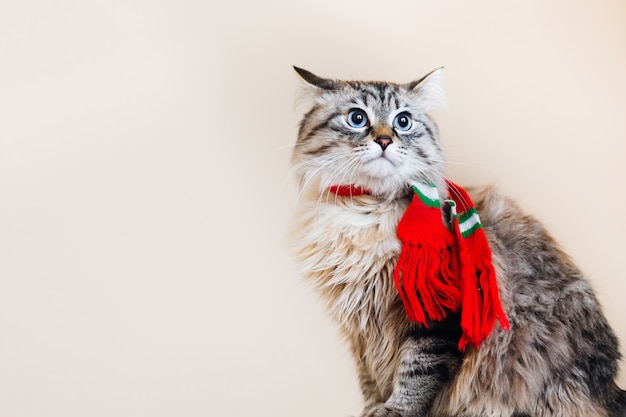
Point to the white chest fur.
(347, 247)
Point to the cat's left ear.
(315, 81)
(429, 88)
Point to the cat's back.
(560, 345)
(523, 250)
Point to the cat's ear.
(429, 88)
(433, 76)
(315, 81)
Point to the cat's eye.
(403, 121)
(357, 118)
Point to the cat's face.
(370, 134)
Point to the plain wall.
(146, 194)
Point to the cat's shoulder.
(504, 219)
(493, 205)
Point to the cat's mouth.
(382, 158)
(380, 166)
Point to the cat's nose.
(383, 141)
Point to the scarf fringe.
(426, 298)
(427, 273)
(440, 272)
(481, 306)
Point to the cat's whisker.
(457, 196)
(351, 171)
(347, 167)
(322, 162)
(276, 149)
(352, 164)
(461, 164)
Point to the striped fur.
(560, 356)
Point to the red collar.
(348, 190)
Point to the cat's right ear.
(428, 90)
(315, 81)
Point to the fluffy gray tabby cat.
(560, 357)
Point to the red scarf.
(441, 272)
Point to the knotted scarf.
(442, 271)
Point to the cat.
(560, 355)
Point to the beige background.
(146, 194)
